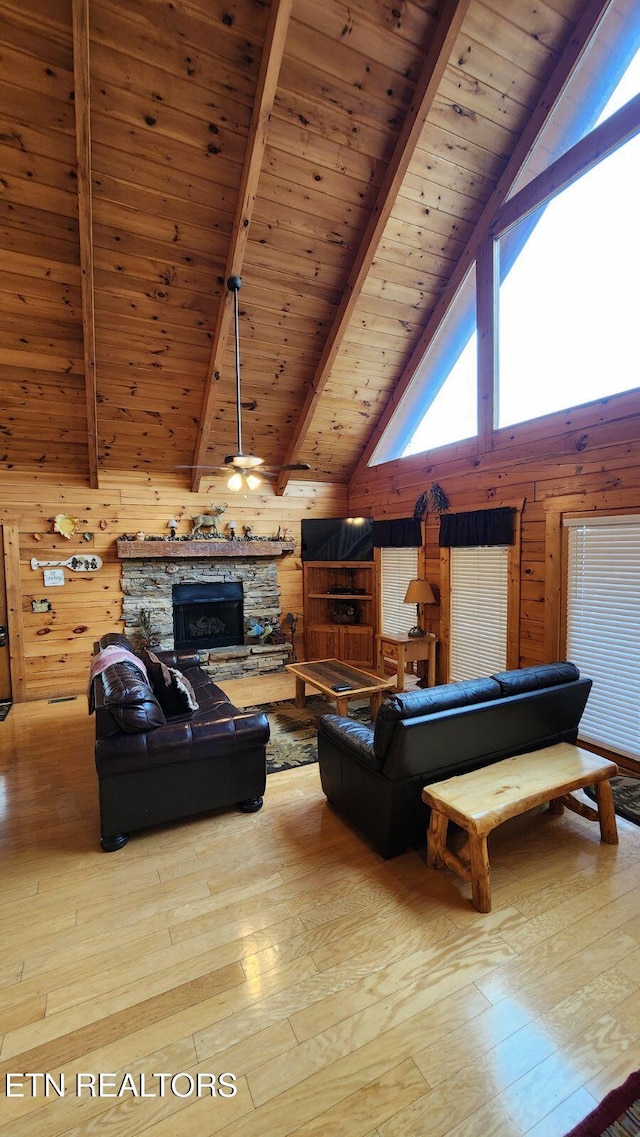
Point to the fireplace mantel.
(202, 547)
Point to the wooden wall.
(50, 651)
(586, 459)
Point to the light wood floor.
(349, 996)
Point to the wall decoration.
(64, 524)
(87, 536)
(53, 578)
(40, 605)
(103, 523)
(78, 563)
(434, 499)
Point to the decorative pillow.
(158, 672)
(179, 697)
(171, 688)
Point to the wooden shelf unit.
(328, 638)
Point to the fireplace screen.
(208, 615)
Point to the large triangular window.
(440, 404)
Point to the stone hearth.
(148, 583)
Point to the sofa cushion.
(535, 678)
(130, 700)
(417, 704)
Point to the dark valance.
(401, 533)
(478, 527)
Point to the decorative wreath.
(345, 613)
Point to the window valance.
(477, 527)
(399, 533)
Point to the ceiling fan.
(247, 470)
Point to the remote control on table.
(341, 687)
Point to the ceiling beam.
(435, 61)
(85, 223)
(587, 24)
(272, 52)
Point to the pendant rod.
(234, 283)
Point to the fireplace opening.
(208, 615)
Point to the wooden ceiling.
(338, 157)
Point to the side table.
(405, 649)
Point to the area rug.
(618, 1115)
(293, 739)
(626, 797)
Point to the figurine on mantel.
(172, 526)
(248, 532)
(231, 529)
(208, 521)
(283, 534)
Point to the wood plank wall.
(585, 459)
(52, 649)
(588, 459)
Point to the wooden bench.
(482, 799)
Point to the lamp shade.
(419, 592)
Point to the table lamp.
(419, 592)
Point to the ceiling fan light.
(243, 461)
(252, 481)
(235, 482)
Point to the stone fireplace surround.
(150, 570)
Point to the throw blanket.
(114, 654)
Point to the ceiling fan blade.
(257, 470)
(291, 466)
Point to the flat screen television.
(337, 539)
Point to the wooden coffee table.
(326, 674)
(482, 799)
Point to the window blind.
(478, 611)
(398, 567)
(603, 627)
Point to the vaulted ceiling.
(341, 158)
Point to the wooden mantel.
(257, 547)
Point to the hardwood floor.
(349, 996)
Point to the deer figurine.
(208, 521)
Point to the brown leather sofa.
(155, 766)
(374, 775)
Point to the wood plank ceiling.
(345, 210)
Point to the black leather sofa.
(374, 775)
(155, 766)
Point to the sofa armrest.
(355, 738)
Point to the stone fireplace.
(222, 589)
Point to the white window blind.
(603, 627)
(478, 611)
(398, 567)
